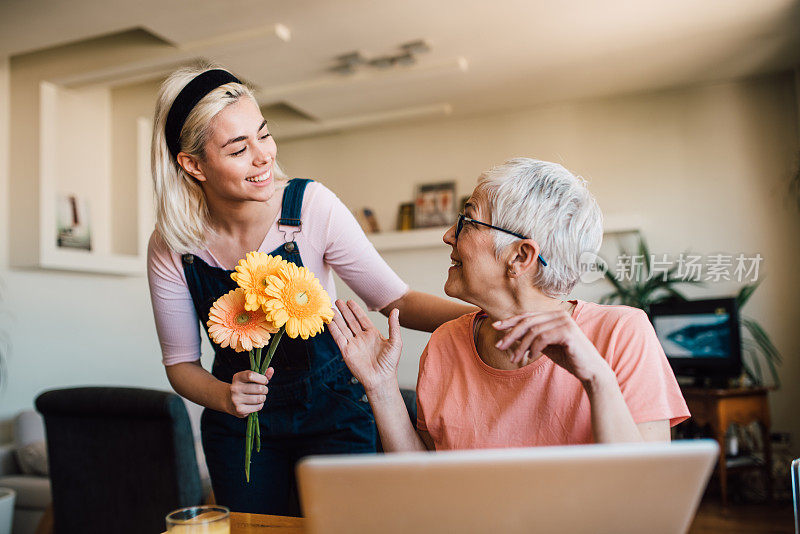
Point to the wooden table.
(719, 408)
(242, 523)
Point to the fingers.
(523, 346)
(252, 377)
(341, 326)
(341, 322)
(541, 343)
(511, 321)
(534, 340)
(254, 400)
(350, 320)
(337, 335)
(507, 323)
(253, 389)
(394, 327)
(523, 325)
(360, 315)
(249, 391)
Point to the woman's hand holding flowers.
(249, 392)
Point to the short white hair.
(552, 206)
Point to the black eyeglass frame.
(460, 226)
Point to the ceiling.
(484, 55)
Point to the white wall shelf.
(409, 239)
(83, 167)
(423, 238)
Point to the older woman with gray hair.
(528, 368)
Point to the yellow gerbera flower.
(230, 324)
(298, 300)
(252, 274)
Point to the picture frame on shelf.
(405, 217)
(435, 204)
(369, 223)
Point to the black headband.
(187, 99)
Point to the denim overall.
(314, 404)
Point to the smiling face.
(476, 274)
(239, 155)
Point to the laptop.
(638, 488)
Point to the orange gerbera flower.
(230, 324)
(298, 300)
(252, 274)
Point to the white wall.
(66, 328)
(5, 109)
(4, 202)
(706, 168)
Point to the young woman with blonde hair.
(220, 194)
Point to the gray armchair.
(28, 479)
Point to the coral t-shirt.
(466, 404)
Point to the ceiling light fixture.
(351, 59)
(416, 47)
(347, 64)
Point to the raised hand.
(371, 357)
(557, 336)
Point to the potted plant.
(760, 357)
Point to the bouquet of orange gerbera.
(274, 296)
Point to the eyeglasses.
(460, 226)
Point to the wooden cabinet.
(719, 408)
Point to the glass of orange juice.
(206, 519)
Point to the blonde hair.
(182, 217)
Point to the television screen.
(687, 336)
(700, 337)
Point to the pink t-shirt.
(330, 240)
(466, 404)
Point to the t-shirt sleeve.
(644, 374)
(354, 259)
(177, 325)
(421, 425)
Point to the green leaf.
(764, 342)
(752, 350)
(745, 293)
(614, 282)
(644, 251)
(755, 366)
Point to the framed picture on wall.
(435, 205)
(73, 229)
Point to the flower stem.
(258, 359)
(271, 352)
(258, 434)
(248, 446)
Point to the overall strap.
(293, 202)
(290, 210)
